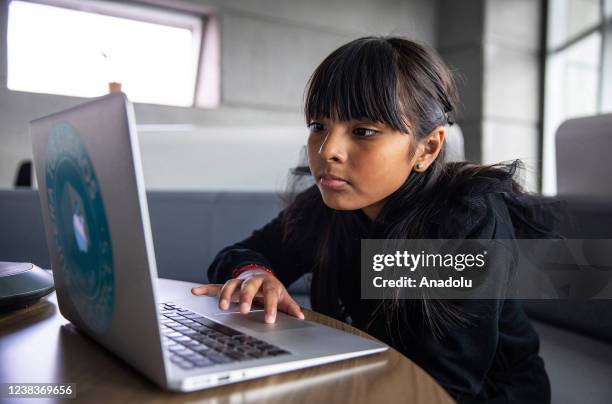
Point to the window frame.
(201, 22)
(603, 101)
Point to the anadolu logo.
(81, 231)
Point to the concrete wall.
(460, 38)
(495, 47)
(511, 102)
(268, 50)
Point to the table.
(38, 345)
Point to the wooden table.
(38, 345)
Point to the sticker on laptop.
(82, 235)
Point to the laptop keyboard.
(194, 341)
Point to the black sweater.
(494, 358)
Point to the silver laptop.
(97, 227)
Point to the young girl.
(377, 109)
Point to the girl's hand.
(249, 285)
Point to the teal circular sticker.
(82, 236)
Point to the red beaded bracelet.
(239, 270)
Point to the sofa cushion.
(188, 228)
(579, 367)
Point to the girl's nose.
(333, 147)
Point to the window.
(76, 48)
(578, 70)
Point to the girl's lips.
(332, 183)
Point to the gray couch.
(577, 335)
(188, 228)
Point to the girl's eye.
(365, 132)
(315, 127)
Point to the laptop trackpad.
(254, 320)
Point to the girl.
(377, 109)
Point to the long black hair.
(406, 86)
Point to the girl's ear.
(429, 148)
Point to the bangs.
(357, 81)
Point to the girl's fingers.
(227, 291)
(248, 290)
(289, 306)
(208, 290)
(213, 290)
(252, 289)
(270, 297)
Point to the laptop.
(97, 227)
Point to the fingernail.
(301, 315)
(270, 318)
(244, 307)
(224, 303)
